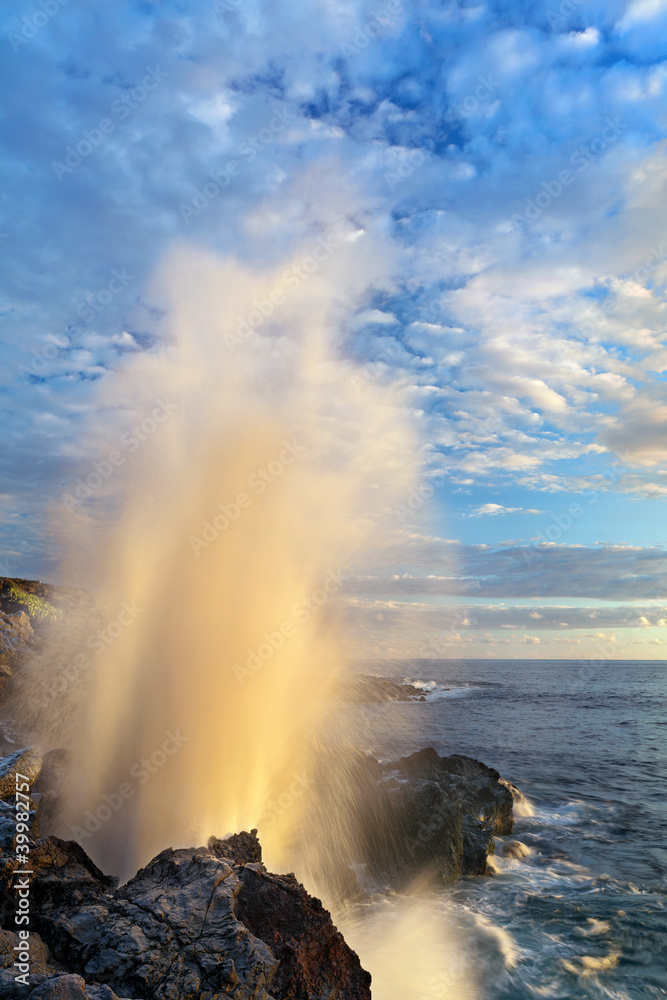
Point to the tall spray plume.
(258, 470)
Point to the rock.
(443, 812)
(39, 967)
(50, 789)
(63, 876)
(60, 988)
(314, 959)
(16, 633)
(53, 774)
(71, 987)
(240, 848)
(97, 992)
(367, 688)
(423, 816)
(191, 924)
(27, 762)
(515, 849)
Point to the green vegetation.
(37, 607)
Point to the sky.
(510, 158)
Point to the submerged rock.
(368, 688)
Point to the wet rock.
(515, 849)
(314, 959)
(367, 688)
(444, 813)
(26, 762)
(193, 923)
(420, 816)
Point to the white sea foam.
(523, 807)
(436, 692)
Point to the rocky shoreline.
(211, 922)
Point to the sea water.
(581, 912)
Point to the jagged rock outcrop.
(422, 815)
(16, 633)
(207, 923)
(442, 813)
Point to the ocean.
(582, 912)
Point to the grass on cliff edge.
(37, 607)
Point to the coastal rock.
(426, 816)
(367, 688)
(314, 958)
(200, 922)
(26, 762)
(60, 988)
(17, 643)
(446, 811)
(16, 633)
(71, 987)
(39, 967)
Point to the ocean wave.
(570, 814)
(434, 691)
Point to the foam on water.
(435, 692)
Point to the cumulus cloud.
(510, 172)
(545, 570)
(496, 508)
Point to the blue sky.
(510, 158)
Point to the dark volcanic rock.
(241, 848)
(314, 959)
(422, 815)
(436, 813)
(367, 688)
(197, 923)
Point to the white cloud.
(496, 508)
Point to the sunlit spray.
(257, 473)
(244, 471)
